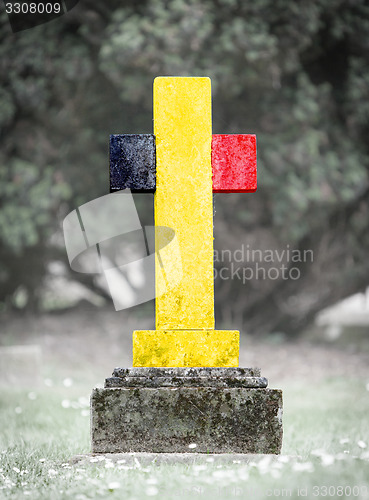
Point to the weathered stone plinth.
(165, 410)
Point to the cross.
(184, 164)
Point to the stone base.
(170, 410)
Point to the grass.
(325, 451)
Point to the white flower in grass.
(206, 479)
(199, 467)
(93, 481)
(226, 474)
(264, 464)
(341, 456)
(83, 401)
(361, 444)
(277, 465)
(109, 465)
(318, 453)
(8, 483)
(303, 467)
(18, 410)
(152, 491)
(192, 446)
(243, 474)
(114, 485)
(65, 403)
(327, 460)
(219, 473)
(67, 382)
(52, 472)
(275, 473)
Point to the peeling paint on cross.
(183, 163)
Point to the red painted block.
(233, 160)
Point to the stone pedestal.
(170, 410)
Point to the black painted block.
(132, 162)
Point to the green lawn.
(325, 451)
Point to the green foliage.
(262, 59)
(31, 198)
(294, 73)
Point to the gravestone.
(185, 391)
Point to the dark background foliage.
(294, 73)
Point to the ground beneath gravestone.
(86, 343)
(326, 407)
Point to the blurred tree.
(296, 74)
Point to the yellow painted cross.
(191, 164)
